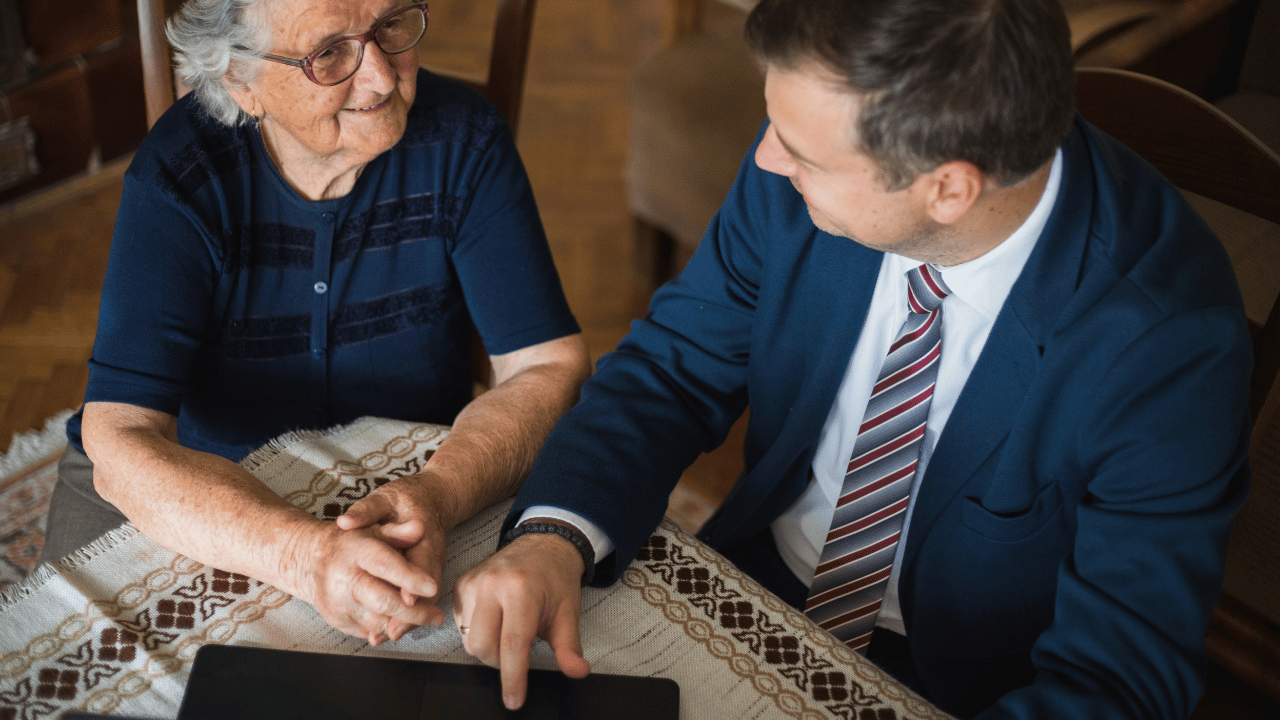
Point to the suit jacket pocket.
(1012, 526)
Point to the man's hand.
(528, 589)
(358, 581)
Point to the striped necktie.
(853, 571)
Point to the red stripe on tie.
(859, 642)
(926, 274)
(857, 555)
(914, 334)
(850, 616)
(880, 484)
(908, 371)
(914, 302)
(868, 520)
(897, 410)
(875, 454)
(848, 588)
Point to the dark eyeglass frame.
(364, 38)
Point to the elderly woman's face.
(358, 118)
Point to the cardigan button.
(321, 288)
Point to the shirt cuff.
(599, 541)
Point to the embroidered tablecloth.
(114, 629)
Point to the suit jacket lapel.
(830, 302)
(989, 404)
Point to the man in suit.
(1051, 539)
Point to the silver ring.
(464, 629)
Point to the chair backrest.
(504, 87)
(1203, 151)
(1199, 149)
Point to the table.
(114, 629)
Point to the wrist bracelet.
(578, 540)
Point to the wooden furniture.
(1134, 32)
(1255, 103)
(157, 68)
(115, 631)
(695, 108)
(1207, 154)
(504, 86)
(71, 74)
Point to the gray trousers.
(77, 513)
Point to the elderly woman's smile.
(319, 136)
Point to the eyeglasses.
(339, 60)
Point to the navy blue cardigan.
(246, 310)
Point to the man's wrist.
(567, 532)
(599, 539)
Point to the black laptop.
(246, 683)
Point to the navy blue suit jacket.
(1067, 543)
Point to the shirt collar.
(984, 282)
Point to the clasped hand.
(376, 571)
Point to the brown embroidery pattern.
(360, 487)
(345, 475)
(781, 659)
(125, 643)
(151, 628)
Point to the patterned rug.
(27, 474)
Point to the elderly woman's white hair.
(214, 42)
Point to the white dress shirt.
(978, 290)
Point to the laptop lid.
(248, 683)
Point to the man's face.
(810, 141)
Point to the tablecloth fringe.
(265, 454)
(33, 445)
(45, 571)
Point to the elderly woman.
(305, 239)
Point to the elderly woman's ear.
(244, 96)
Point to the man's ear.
(245, 98)
(954, 188)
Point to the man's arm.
(212, 510)
(671, 391)
(487, 454)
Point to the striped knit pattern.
(853, 572)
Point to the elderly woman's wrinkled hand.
(361, 584)
(413, 514)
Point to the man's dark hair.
(986, 81)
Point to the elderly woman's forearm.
(496, 438)
(201, 505)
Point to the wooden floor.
(53, 247)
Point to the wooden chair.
(1233, 179)
(695, 107)
(1134, 31)
(504, 87)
